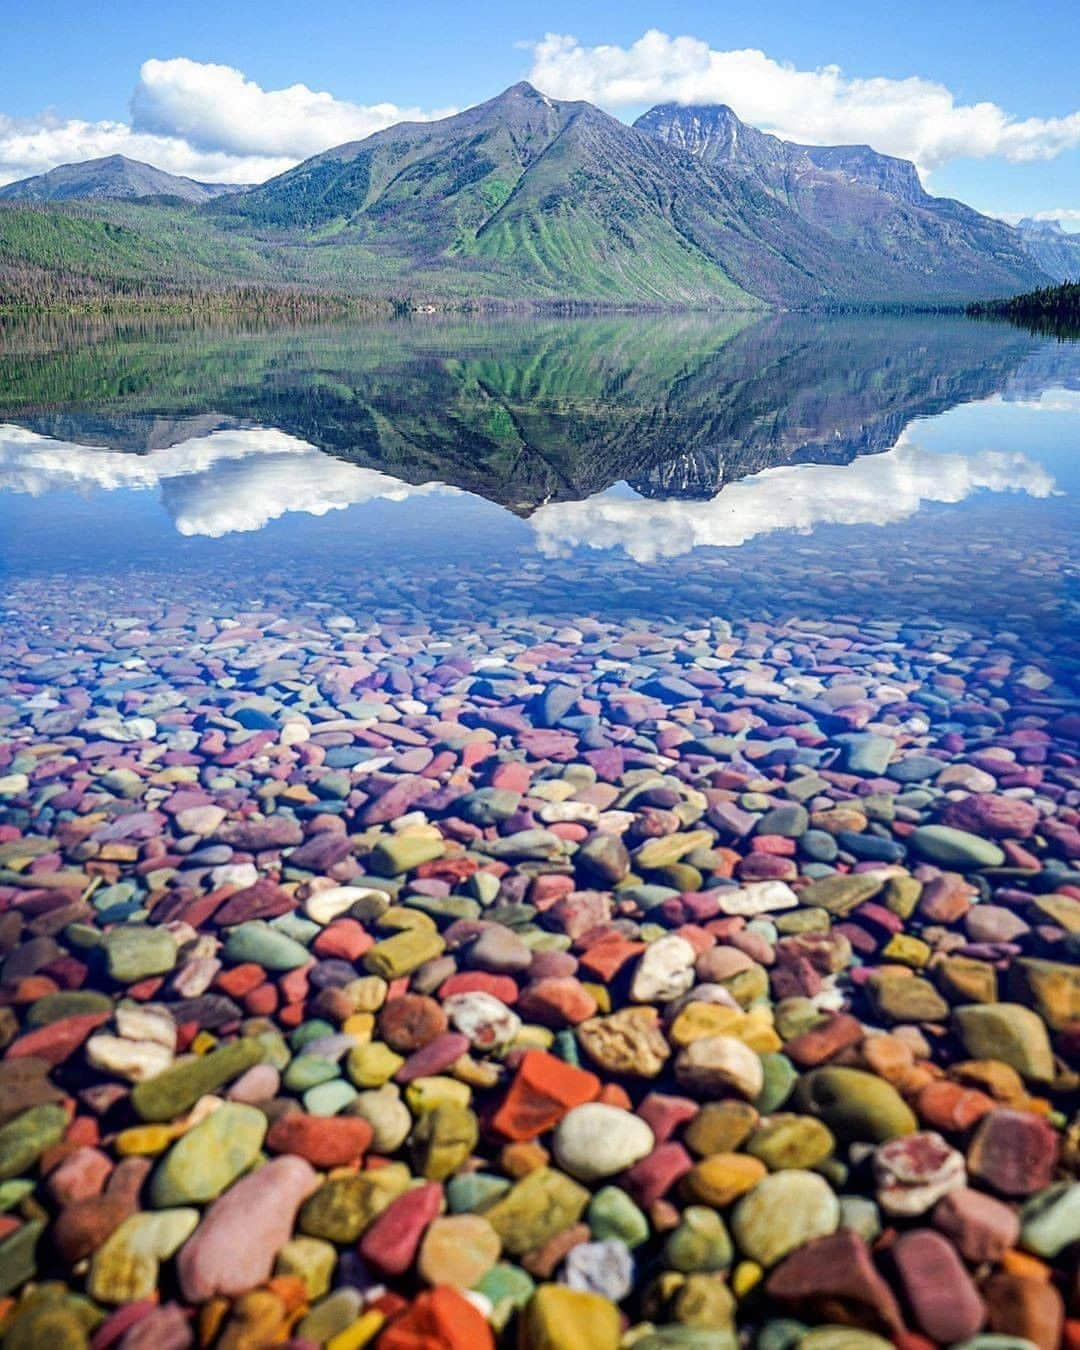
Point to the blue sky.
(989, 104)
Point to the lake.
(425, 717)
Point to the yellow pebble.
(368, 993)
(362, 1332)
(746, 1276)
(372, 1065)
(203, 1043)
(144, 1140)
(400, 919)
(425, 1094)
(533, 1037)
(600, 993)
(361, 1025)
(909, 951)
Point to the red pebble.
(664, 1113)
(652, 1177)
(345, 938)
(58, 1041)
(390, 1243)
(501, 987)
(945, 1302)
(325, 1141)
(557, 1003)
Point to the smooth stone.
(558, 1318)
(258, 942)
(24, 1139)
(595, 1141)
(126, 1267)
(536, 1208)
(1008, 1032)
(209, 1157)
(612, 1214)
(855, 1104)
(955, 848)
(1050, 1220)
(135, 952)
(234, 1247)
(180, 1086)
(783, 1212)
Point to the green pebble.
(265, 946)
(18, 1258)
(209, 1157)
(176, 1089)
(471, 1191)
(701, 1242)
(327, 1099)
(24, 1139)
(138, 951)
(1009, 1032)
(780, 1079)
(11, 1192)
(400, 853)
(855, 1104)
(1050, 1220)
(612, 1214)
(955, 848)
(308, 1071)
(68, 1003)
(310, 1031)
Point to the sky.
(983, 96)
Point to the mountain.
(115, 178)
(553, 198)
(1056, 252)
(862, 199)
(530, 199)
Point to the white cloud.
(204, 121)
(914, 118)
(222, 483)
(217, 108)
(874, 490)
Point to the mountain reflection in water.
(653, 435)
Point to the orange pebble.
(262, 1000)
(945, 1105)
(240, 980)
(291, 1015)
(611, 1094)
(525, 1156)
(1026, 1266)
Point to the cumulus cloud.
(914, 118)
(223, 483)
(204, 121)
(874, 490)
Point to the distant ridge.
(114, 178)
(1056, 252)
(862, 199)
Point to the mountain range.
(114, 178)
(527, 198)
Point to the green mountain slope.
(525, 198)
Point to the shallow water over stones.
(627, 922)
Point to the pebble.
(574, 979)
(595, 1141)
